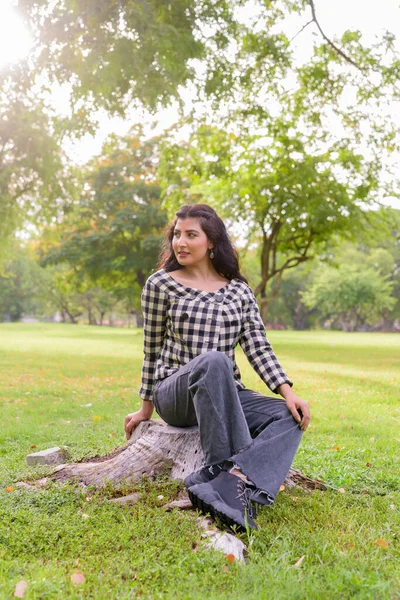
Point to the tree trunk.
(154, 448)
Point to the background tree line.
(296, 151)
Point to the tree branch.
(301, 30)
(328, 41)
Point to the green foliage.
(34, 179)
(116, 53)
(21, 283)
(112, 237)
(350, 297)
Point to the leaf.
(298, 563)
(382, 543)
(77, 578)
(230, 558)
(9, 489)
(20, 589)
(96, 418)
(342, 490)
(32, 447)
(282, 488)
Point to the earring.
(212, 254)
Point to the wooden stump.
(154, 448)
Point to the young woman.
(197, 308)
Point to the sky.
(335, 16)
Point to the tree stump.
(154, 448)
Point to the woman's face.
(190, 244)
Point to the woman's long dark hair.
(225, 259)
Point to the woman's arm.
(133, 419)
(154, 303)
(294, 404)
(154, 308)
(263, 360)
(256, 346)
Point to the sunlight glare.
(15, 39)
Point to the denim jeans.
(255, 432)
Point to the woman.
(197, 307)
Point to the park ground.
(72, 385)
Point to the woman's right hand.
(133, 419)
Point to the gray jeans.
(253, 431)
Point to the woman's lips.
(183, 253)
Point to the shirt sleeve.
(257, 348)
(154, 305)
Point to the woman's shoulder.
(161, 282)
(241, 287)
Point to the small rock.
(205, 522)
(227, 543)
(126, 500)
(25, 486)
(183, 504)
(51, 456)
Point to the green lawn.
(72, 385)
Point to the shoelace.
(256, 492)
(244, 497)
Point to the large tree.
(290, 196)
(114, 232)
(36, 181)
(113, 53)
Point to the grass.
(70, 385)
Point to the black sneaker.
(203, 475)
(226, 497)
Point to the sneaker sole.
(211, 502)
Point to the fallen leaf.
(230, 558)
(20, 589)
(282, 488)
(382, 543)
(9, 489)
(298, 563)
(77, 578)
(32, 447)
(342, 490)
(96, 418)
(368, 464)
(85, 516)
(335, 448)
(111, 435)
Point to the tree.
(350, 298)
(36, 181)
(113, 236)
(290, 197)
(21, 284)
(116, 53)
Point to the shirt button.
(219, 298)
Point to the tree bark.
(154, 448)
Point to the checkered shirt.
(180, 323)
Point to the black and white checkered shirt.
(180, 323)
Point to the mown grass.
(66, 385)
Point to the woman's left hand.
(296, 404)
